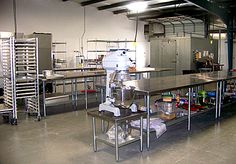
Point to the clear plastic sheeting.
(155, 123)
(121, 134)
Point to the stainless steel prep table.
(153, 86)
(75, 69)
(148, 70)
(73, 76)
(126, 115)
(138, 72)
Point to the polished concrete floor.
(66, 138)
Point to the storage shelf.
(97, 51)
(110, 41)
(58, 51)
(4, 109)
(105, 139)
(21, 74)
(97, 47)
(107, 51)
(54, 43)
(57, 98)
(69, 82)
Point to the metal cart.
(26, 73)
(8, 109)
(20, 71)
(126, 115)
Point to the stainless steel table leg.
(116, 142)
(148, 122)
(148, 75)
(94, 134)
(102, 126)
(86, 93)
(101, 90)
(141, 133)
(44, 97)
(145, 100)
(217, 100)
(137, 77)
(189, 109)
(94, 79)
(192, 91)
(76, 94)
(64, 87)
(55, 87)
(224, 86)
(220, 98)
(72, 91)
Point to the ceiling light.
(137, 6)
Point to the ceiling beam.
(192, 14)
(160, 15)
(212, 8)
(153, 6)
(90, 2)
(120, 11)
(166, 4)
(156, 12)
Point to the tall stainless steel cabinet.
(44, 50)
(177, 52)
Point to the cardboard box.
(164, 116)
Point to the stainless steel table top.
(149, 69)
(126, 114)
(73, 74)
(138, 70)
(162, 84)
(217, 75)
(52, 77)
(75, 69)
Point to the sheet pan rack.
(20, 67)
(9, 106)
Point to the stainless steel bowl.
(123, 95)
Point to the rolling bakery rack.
(20, 73)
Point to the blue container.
(211, 94)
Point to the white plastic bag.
(121, 134)
(155, 123)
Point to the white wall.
(65, 21)
(224, 52)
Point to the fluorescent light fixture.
(137, 6)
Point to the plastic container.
(211, 94)
(167, 107)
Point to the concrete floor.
(66, 138)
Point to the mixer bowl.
(123, 95)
